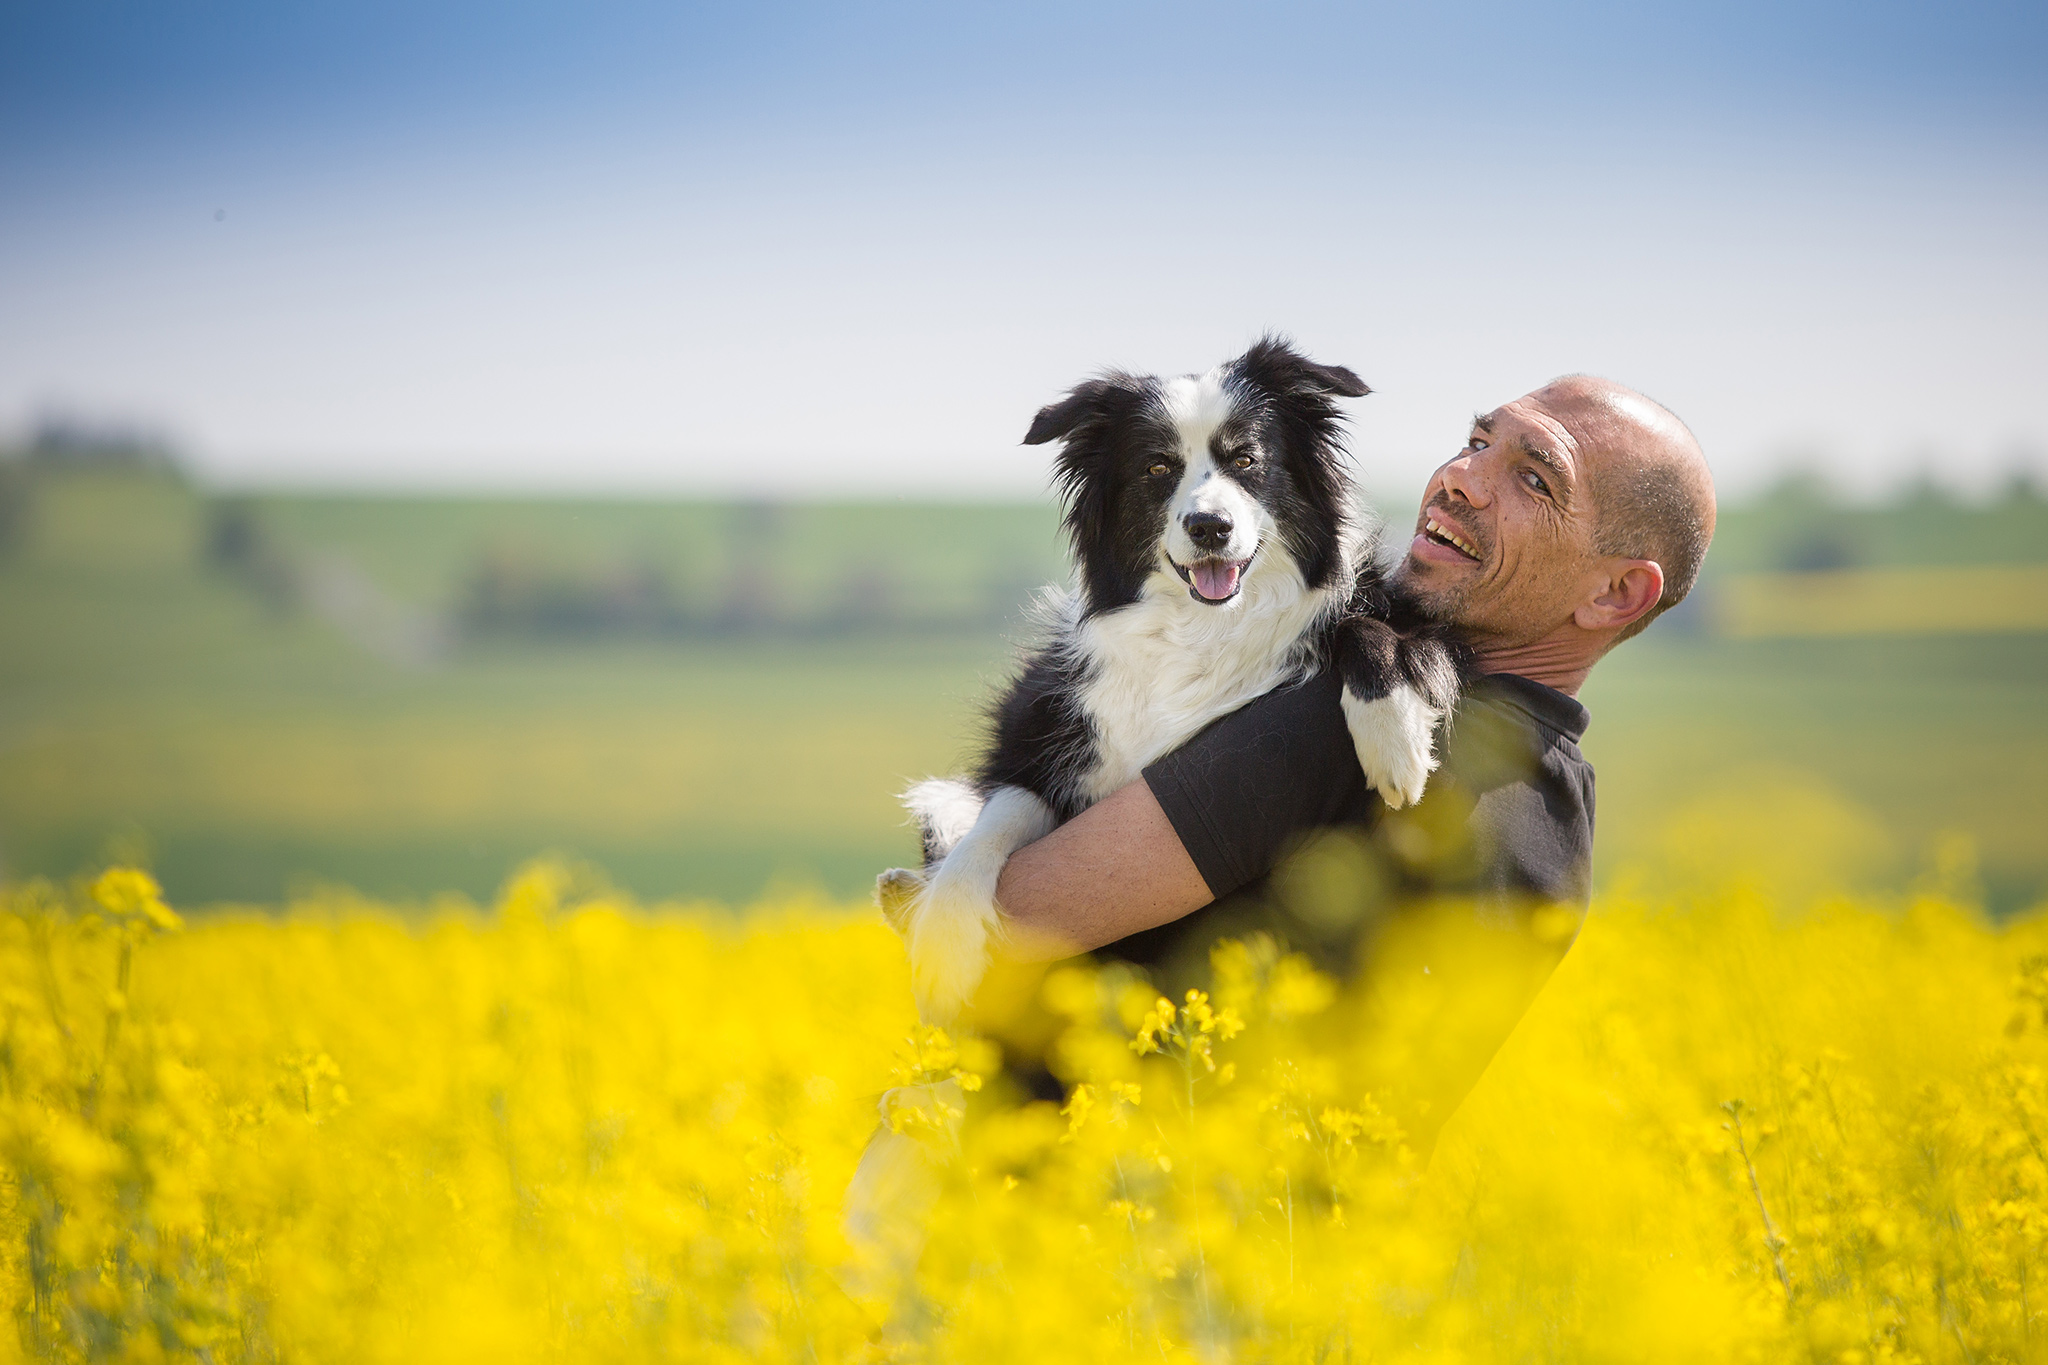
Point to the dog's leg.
(1392, 705)
(888, 1203)
(945, 808)
(952, 918)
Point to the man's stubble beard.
(1447, 602)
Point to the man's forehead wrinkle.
(1532, 410)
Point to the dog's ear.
(1058, 420)
(1335, 379)
(1273, 362)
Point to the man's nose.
(1461, 478)
(1209, 530)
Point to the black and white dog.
(1218, 557)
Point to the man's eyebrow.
(1484, 421)
(1551, 461)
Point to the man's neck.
(1559, 660)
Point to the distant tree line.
(520, 590)
(58, 442)
(512, 592)
(538, 590)
(75, 441)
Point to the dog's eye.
(1244, 462)
(1160, 470)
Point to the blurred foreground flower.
(1729, 1129)
(128, 894)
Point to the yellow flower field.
(1742, 1122)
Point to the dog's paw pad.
(1395, 736)
(895, 892)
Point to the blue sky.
(852, 248)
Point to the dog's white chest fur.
(1163, 667)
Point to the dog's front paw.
(1395, 736)
(950, 928)
(896, 893)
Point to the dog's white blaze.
(1196, 406)
(954, 917)
(1394, 736)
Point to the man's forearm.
(1113, 870)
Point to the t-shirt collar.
(1548, 707)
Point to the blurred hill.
(411, 694)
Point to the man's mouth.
(1446, 535)
(1212, 580)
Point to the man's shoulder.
(1512, 755)
(1508, 729)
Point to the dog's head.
(1202, 475)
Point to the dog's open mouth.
(1212, 580)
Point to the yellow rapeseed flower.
(129, 893)
(1729, 1128)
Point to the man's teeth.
(1443, 532)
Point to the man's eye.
(1244, 462)
(1160, 470)
(1535, 481)
(1477, 443)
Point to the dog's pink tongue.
(1215, 579)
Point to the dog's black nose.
(1209, 530)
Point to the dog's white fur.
(1384, 733)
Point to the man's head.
(1571, 519)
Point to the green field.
(301, 695)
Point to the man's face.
(1505, 535)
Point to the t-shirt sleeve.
(1240, 790)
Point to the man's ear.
(1056, 421)
(1631, 588)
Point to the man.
(1571, 519)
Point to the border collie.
(1217, 557)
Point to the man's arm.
(1111, 871)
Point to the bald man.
(1571, 519)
